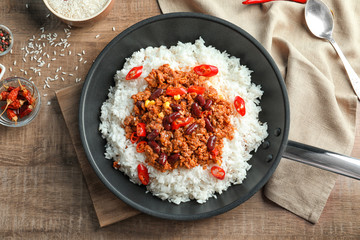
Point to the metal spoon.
(320, 22)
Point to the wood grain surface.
(43, 194)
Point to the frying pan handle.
(323, 159)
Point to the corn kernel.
(147, 103)
(161, 115)
(177, 97)
(166, 104)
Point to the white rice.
(77, 9)
(181, 185)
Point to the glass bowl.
(21, 121)
(11, 40)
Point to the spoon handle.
(354, 78)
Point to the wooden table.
(42, 190)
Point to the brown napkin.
(109, 209)
(322, 102)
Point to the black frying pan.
(167, 30)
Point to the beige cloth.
(322, 102)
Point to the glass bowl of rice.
(27, 112)
(79, 13)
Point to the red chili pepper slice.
(181, 122)
(218, 172)
(135, 72)
(141, 130)
(240, 105)
(143, 174)
(196, 89)
(134, 138)
(140, 147)
(214, 153)
(206, 70)
(175, 91)
(116, 165)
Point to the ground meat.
(183, 148)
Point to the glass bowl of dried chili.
(6, 40)
(19, 102)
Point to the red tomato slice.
(143, 174)
(135, 72)
(196, 89)
(175, 91)
(240, 105)
(206, 70)
(218, 172)
(214, 153)
(181, 122)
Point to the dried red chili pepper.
(143, 174)
(264, 1)
(196, 89)
(15, 104)
(181, 122)
(11, 97)
(175, 91)
(26, 93)
(240, 105)
(134, 138)
(206, 70)
(11, 115)
(4, 95)
(218, 172)
(140, 147)
(134, 73)
(141, 129)
(26, 111)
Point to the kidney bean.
(208, 104)
(211, 143)
(162, 159)
(191, 128)
(153, 134)
(166, 123)
(173, 116)
(196, 109)
(175, 107)
(154, 146)
(156, 94)
(140, 104)
(174, 157)
(167, 126)
(200, 100)
(208, 125)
